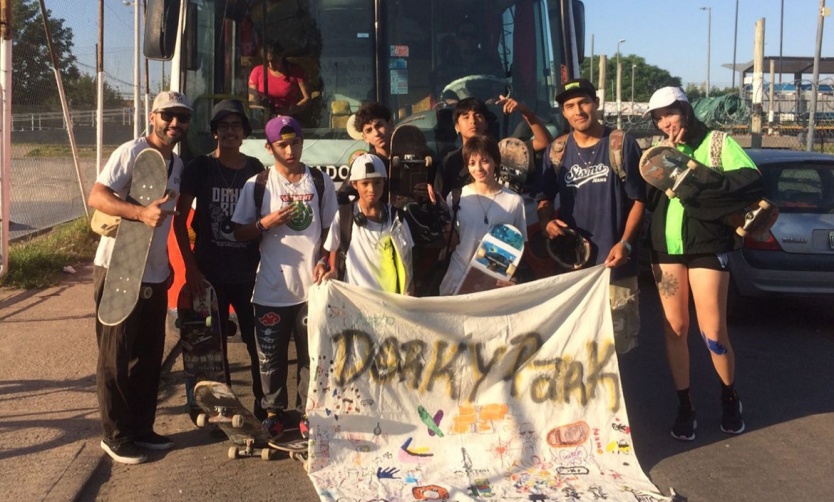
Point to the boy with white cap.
(296, 208)
(369, 244)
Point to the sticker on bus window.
(399, 82)
(398, 64)
(363, 35)
(399, 51)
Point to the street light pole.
(619, 87)
(709, 37)
(633, 67)
(735, 43)
(135, 3)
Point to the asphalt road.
(784, 359)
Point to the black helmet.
(226, 107)
(570, 250)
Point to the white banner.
(511, 394)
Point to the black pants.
(129, 364)
(239, 296)
(274, 326)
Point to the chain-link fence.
(44, 182)
(784, 119)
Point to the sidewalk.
(49, 421)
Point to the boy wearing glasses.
(216, 181)
(130, 353)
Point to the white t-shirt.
(507, 207)
(288, 252)
(362, 264)
(116, 175)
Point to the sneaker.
(125, 453)
(153, 441)
(685, 424)
(731, 421)
(274, 425)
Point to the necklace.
(229, 187)
(491, 202)
(593, 151)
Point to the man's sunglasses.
(183, 118)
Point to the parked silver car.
(797, 256)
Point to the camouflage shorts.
(625, 313)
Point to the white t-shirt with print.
(116, 175)
(288, 252)
(362, 263)
(507, 207)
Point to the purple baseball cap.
(282, 127)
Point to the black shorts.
(712, 261)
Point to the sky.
(670, 34)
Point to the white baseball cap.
(663, 97)
(367, 166)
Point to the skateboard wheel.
(670, 193)
(202, 420)
(147, 292)
(428, 161)
(510, 269)
(208, 321)
(233, 452)
(266, 454)
(238, 421)
(395, 161)
(481, 252)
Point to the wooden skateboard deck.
(516, 160)
(495, 259)
(672, 172)
(410, 162)
(198, 320)
(223, 408)
(123, 283)
(297, 448)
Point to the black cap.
(226, 107)
(575, 87)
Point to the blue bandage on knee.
(713, 345)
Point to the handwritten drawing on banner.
(511, 394)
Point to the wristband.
(627, 246)
(323, 263)
(260, 226)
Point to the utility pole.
(591, 66)
(735, 43)
(709, 37)
(603, 64)
(633, 67)
(758, 83)
(619, 87)
(815, 80)
(100, 88)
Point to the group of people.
(265, 237)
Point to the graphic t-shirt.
(288, 252)
(217, 189)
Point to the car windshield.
(801, 188)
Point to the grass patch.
(60, 151)
(39, 262)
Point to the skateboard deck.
(198, 320)
(516, 160)
(297, 448)
(410, 162)
(570, 251)
(223, 408)
(495, 259)
(673, 172)
(123, 283)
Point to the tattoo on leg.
(713, 345)
(668, 285)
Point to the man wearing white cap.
(291, 215)
(369, 244)
(130, 353)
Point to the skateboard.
(221, 407)
(297, 449)
(198, 320)
(123, 283)
(410, 162)
(675, 173)
(570, 251)
(496, 258)
(516, 160)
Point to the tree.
(33, 78)
(647, 78)
(81, 94)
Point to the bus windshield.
(327, 57)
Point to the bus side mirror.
(161, 23)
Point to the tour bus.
(401, 53)
(406, 54)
